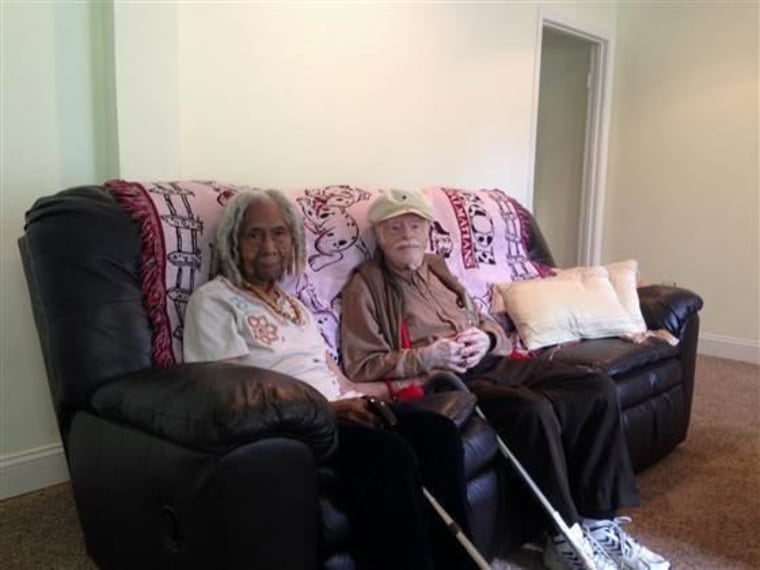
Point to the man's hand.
(355, 411)
(475, 344)
(443, 354)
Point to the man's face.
(403, 240)
(264, 243)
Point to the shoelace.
(614, 538)
(599, 553)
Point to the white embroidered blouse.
(223, 322)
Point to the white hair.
(227, 259)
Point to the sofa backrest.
(485, 235)
(111, 269)
(81, 253)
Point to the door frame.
(596, 148)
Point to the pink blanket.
(481, 233)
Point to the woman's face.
(265, 243)
(403, 240)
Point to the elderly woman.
(243, 315)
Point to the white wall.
(145, 78)
(283, 95)
(683, 175)
(50, 125)
(306, 94)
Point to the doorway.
(567, 195)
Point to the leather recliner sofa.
(202, 466)
(216, 465)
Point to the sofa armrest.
(216, 406)
(667, 307)
(457, 406)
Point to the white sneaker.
(623, 548)
(560, 555)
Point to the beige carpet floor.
(701, 505)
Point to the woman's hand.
(355, 411)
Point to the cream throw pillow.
(624, 277)
(578, 303)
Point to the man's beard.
(414, 246)
(414, 264)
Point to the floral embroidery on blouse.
(239, 302)
(262, 330)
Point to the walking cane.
(389, 419)
(450, 380)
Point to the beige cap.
(392, 203)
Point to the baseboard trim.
(728, 347)
(32, 469)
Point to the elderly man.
(405, 315)
(243, 316)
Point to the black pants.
(563, 424)
(381, 472)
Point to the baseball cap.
(393, 203)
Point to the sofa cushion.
(482, 234)
(177, 222)
(613, 356)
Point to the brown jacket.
(372, 312)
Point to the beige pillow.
(576, 304)
(624, 276)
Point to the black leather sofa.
(195, 465)
(219, 466)
(655, 380)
